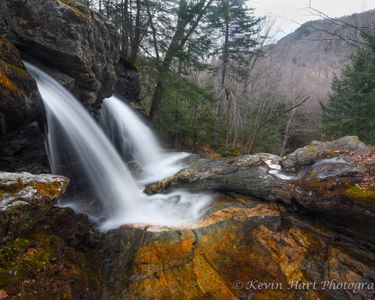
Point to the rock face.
(78, 44)
(24, 151)
(128, 85)
(20, 101)
(240, 246)
(339, 182)
(45, 252)
(24, 200)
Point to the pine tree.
(351, 107)
(238, 27)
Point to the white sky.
(289, 14)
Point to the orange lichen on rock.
(6, 83)
(236, 245)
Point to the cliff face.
(78, 45)
(19, 97)
(75, 45)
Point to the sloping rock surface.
(241, 249)
(332, 178)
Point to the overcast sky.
(288, 14)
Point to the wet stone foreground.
(266, 236)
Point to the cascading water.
(74, 136)
(103, 167)
(126, 130)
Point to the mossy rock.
(41, 266)
(76, 8)
(357, 193)
(19, 96)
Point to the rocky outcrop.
(349, 145)
(128, 85)
(24, 151)
(45, 252)
(78, 44)
(20, 101)
(339, 182)
(25, 199)
(241, 249)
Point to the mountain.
(304, 62)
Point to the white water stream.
(93, 155)
(125, 128)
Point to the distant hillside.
(306, 61)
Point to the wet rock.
(341, 186)
(24, 200)
(20, 101)
(246, 174)
(319, 150)
(128, 85)
(69, 38)
(24, 151)
(239, 244)
(41, 265)
(56, 257)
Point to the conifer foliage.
(351, 107)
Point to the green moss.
(41, 264)
(353, 139)
(357, 193)
(69, 2)
(370, 167)
(310, 148)
(10, 252)
(29, 261)
(17, 70)
(73, 6)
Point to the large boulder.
(20, 101)
(319, 150)
(46, 252)
(241, 249)
(78, 44)
(339, 182)
(25, 199)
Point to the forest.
(202, 88)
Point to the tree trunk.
(156, 101)
(137, 34)
(178, 41)
(225, 53)
(287, 131)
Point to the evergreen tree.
(238, 27)
(351, 107)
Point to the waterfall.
(100, 163)
(126, 130)
(77, 146)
